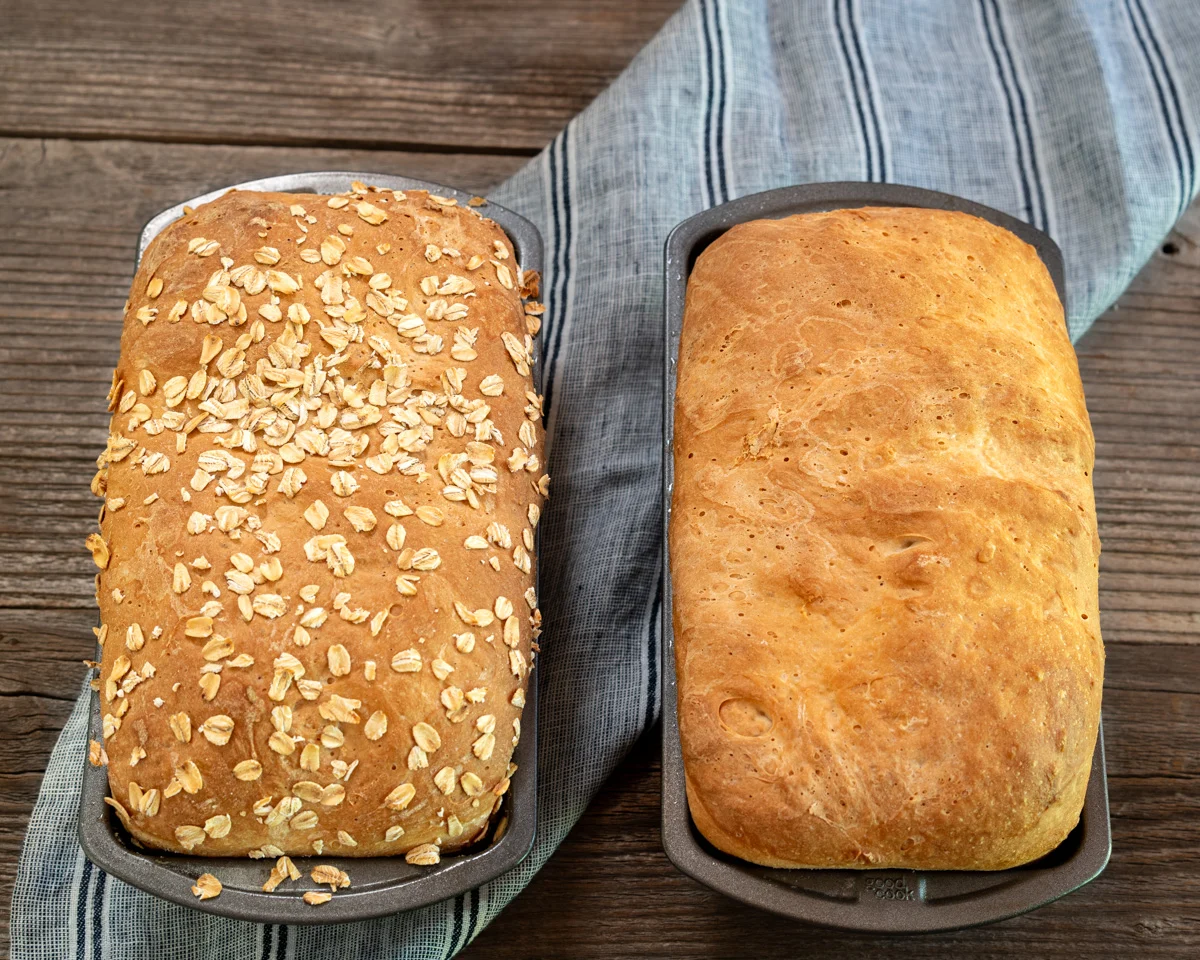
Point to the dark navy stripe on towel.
(708, 74)
(98, 914)
(1024, 174)
(552, 338)
(456, 926)
(476, 907)
(855, 32)
(863, 129)
(652, 656)
(470, 905)
(1180, 114)
(550, 319)
(720, 74)
(85, 879)
(1168, 101)
(556, 247)
(1031, 148)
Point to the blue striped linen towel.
(1079, 117)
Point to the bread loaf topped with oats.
(316, 549)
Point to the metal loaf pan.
(875, 901)
(380, 885)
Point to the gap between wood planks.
(83, 199)
(315, 143)
(474, 76)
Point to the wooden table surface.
(110, 112)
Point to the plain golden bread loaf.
(321, 485)
(883, 546)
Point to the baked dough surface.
(316, 551)
(883, 546)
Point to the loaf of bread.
(883, 546)
(316, 549)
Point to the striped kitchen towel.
(1079, 117)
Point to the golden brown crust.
(282, 677)
(883, 546)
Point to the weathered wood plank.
(1152, 717)
(1147, 901)
(1139, 370)
(1143, 390)
(484, 81)
(42, 653)
(482, 76)
(61, 323)
(70, 214)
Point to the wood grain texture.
(67, 280)
(1141, 373)
(611, 874)
(476, 76)
(471, 78)
(638, 905)
(62, 318)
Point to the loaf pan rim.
(412, 887)
(1028, 887)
